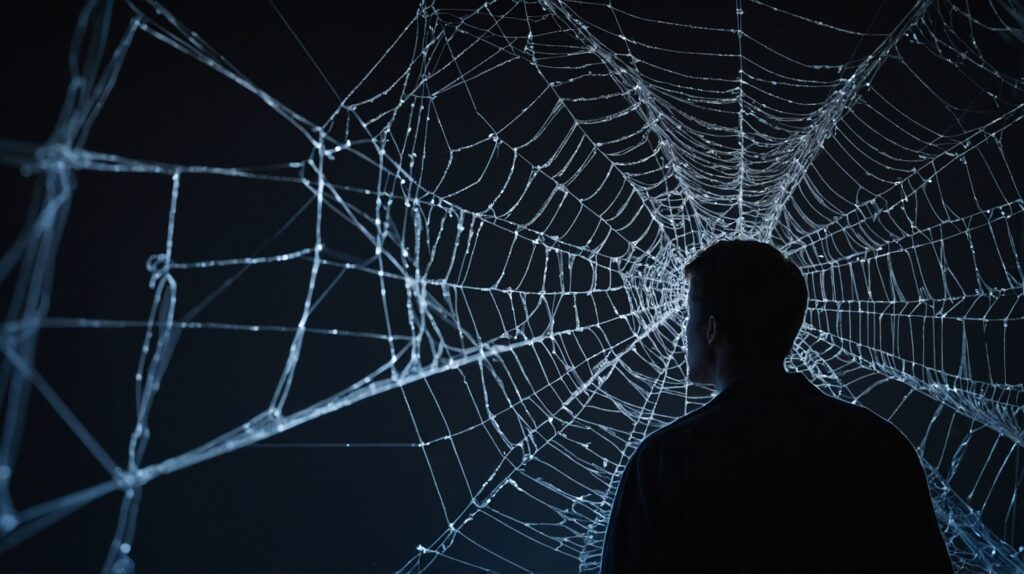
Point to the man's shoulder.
(861, 421)
(677, 430)
(830, 413)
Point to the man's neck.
(727, 376)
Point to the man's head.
(746, 305)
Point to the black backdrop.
(263, 508)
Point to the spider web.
(514, 190)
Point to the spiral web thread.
(599, 179)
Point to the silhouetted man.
(771, 475)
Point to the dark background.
(262, 508)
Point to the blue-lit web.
(528, 257)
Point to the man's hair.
(756, 294)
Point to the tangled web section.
(513, 191)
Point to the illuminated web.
(523, 254)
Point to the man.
(772, 475)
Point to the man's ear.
(712, 329)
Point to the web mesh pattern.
(513, 192)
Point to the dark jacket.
(772, 475)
